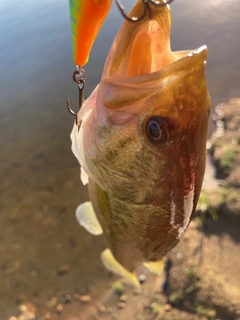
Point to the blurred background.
(42, 249)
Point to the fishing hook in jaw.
(79, 76)
(146, 9)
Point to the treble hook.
(146, 9)
(79, 76)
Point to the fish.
(141, 145)
(87, 18)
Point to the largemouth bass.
(141, 144)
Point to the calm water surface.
(36, 58)
(35, 79)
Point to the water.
(36, 58)
(39, 175)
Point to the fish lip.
(188, 59)
(136, 88)
(185, 60)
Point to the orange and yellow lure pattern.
(87, 17)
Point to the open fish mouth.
(144, 48)
(140, 87)
(141, 60)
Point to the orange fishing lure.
(87, 17)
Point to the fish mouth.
(119, 92)
(143, 47)
(141, 61)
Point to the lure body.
(87, 17)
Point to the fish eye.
(158, 129)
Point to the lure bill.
(142, 144)
(87, 17)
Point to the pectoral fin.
(111, 264)
(83, 177)
(156, 267)
(86, 217)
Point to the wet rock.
(27, 311)
(23, 308)
(67, 299)
(179, 256)
(136, 292)
(108, 311)
(142, 278)
(167, 307)
(59, 309)
(123, 298)
(63, 269)
(121, 305)
(48, 316)
(84, 298)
